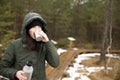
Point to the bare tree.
(107, 40)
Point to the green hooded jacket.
(17, 54)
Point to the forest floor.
(86, 67)
(102, 74)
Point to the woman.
(27, 48)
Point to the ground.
(86, 67)
(103, 74)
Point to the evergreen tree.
(6, 22)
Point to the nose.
(37, 28)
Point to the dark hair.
(33, 44)
(35, 22)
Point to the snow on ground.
(75, 48)
(74, 71)
(0, 45)
(54, 42)
(60, 51)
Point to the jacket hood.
(31, 16)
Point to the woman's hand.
(20, 75)
(43, 36)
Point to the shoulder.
(16, 42)
(13, 45)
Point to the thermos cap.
(29, 63)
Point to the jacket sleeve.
(52, 56)
(7, 62)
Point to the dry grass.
(93, 62)
(102, 75)
(117, 74)
(99, 76)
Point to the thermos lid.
(29, 63)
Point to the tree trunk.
(105, 40)
(76, 21)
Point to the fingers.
(44, 36)
(20, 75)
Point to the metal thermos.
(28, 70)
(37, 36)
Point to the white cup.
(37, 36)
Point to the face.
(33, 29)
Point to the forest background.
(82, 19)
